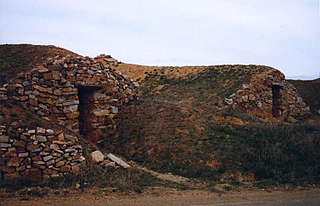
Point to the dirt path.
(165, 196)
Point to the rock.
(12, 152)
(19, 143)
(50, 172)
(5, 145)
(65, 168)
(97, 156)
(4, 138)
(70, 109)
(50, 131)
(33, 174)
(47, 158)
(23, 154)
(114, 110)
(60, 164)
(75, 169)
(41, 130)
(41, 138)
(7, 169)
(54, 147)
(14, 162)
(228, 101)
(291, 119)
(118, 160)
(42, 69)
(101, 112)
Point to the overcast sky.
(284, 34)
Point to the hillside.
(310, 92)
(183, 124)
(17, 58)
(178, 126)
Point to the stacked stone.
(107, 60)
(38, 154)
(256, 96)
(51, 90)
(3, 93)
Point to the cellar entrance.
(86, 108)
(277, 100)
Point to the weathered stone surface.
(14, 162)
(70, 109)
(75, 169)
(19, 143)
(11, 152)
(5, 145)
(97, 156)
(23, 154)
(4, 138)
(33, 174)
(54, 147)
(65, 168)
(60, 164)
(47, 158)
(42, 69)
(41, 138)
(41, 130)
(101, 112)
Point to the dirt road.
(161, 196)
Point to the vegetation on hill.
(17, 58)
(178, 127)
(310, 92)
(181, 125)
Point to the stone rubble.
(38, 154)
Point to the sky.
(284, 34)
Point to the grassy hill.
(310, 92)
(180, 124)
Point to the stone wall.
(38, 154)
(256, 97)
(52, 91)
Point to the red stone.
(33, 175)
(65, 168)
(19, 143)
(6, 169)
(50, 172)
(36, 158)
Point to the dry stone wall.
(258, 98)
(54, 90)
(38, 154)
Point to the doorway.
(86, 109)
(277, 100)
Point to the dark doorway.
(86, 115)
(277, 100)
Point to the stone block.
(14, 162)
(47, 158)
(65, 168)
(23, 154)
(33, 174)
(41, 130)
(19, 143)
(5, 145)
(60, 164)
(41, 138)
(4, 138)
(97, 156)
